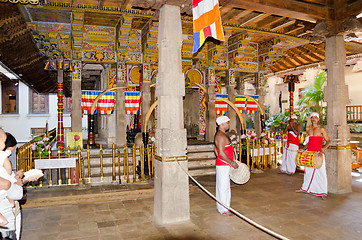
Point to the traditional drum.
(240, 175)
(310, 159)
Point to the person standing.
(315, 180)
(291, 149)
(225, 158)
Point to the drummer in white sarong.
(291, 149)
(315, 180)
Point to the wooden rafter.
(100, 3)
(265, 23)
(255, 19)
(293, 28)
(228, 15)
(293, 56)
(126, 4)
(308, 52)
(286, 24)
(306, 11)
(303, 55)
(241, 14)
(291, 64)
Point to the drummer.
(315, 180)
(291, 150)
(225, 159)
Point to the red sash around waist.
(315, 143)
(229, 152)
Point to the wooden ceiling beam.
(293, 28)
(285, 59)
(304, 56)
(241, 14)
(228, 15)
(265, 23)
(126, 4)
(286, 24)
(310, 53)
(292, 8)
(292, 55)
(249, 19)
(283, 66)
(354, 8)
(100, 3)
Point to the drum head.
(240, 175)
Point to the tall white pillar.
(171, 194)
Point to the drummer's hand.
(234, 165)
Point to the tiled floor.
(268, 199)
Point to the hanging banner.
(105, 104)
(132, 102)
(246, 105)
(206, 22)
(240, 103)
(202, 112)
(252, 106)
(221, 107)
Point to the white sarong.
(223, 192)
(289, 159)
(315, 180)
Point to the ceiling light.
(359, 15)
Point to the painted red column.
(60, 136)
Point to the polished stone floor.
(268, 198)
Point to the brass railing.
(123, 164)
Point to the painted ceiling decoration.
(261, 36)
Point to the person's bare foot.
(228, 214)
(298, 191)
(324, 197)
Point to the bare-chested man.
(315, 180)
(291, 150)
(225, 158)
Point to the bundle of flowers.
(41, 146)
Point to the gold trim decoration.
(339, 147)
(171, 159)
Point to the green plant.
(313, 98)
(277, 122)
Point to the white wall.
(20, 124)
(354, 82)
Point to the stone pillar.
(146, 92)
(338, 156)
(171, 194)
(231, 96)
(210, 114)
(120, 112)
(76, 118)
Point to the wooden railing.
(354, 113)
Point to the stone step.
(197, 155)
(200, 148)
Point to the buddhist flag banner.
(132, 102)
(105, 104)
(240, 103)
(221, 107)
(206, 21)
(246, 105)
(252, 106)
